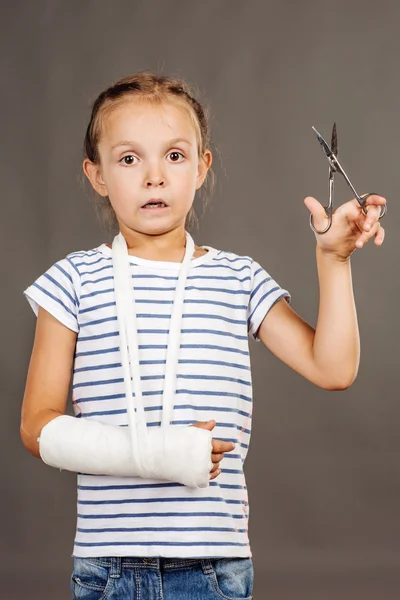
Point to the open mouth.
(152, 205)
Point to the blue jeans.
(130, 578)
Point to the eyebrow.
(132, 143)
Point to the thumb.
(320, 220)
(209, 425)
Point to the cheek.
(122, 179)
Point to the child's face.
(148, 151)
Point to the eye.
(175, 156)
(128, 159)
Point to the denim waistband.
(116, 564)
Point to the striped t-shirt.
(226, 298)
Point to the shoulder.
(80, 260)
(232, 260)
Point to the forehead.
(138, 119)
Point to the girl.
(155, 331)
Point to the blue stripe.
(209, 265)
(138, 276)
(94, 262)
(95, 398)
(210, 347)
(61, 287)
(255, 290)
(160, 392)
(55, 299)
(97, 292)
(102, 268)
(232, 260)
(177, 407)
(101, 336)
(72, 265)
(263, 298)
(168, 317)
(98, 367)
(160, 544)
(168, 289)
(98, 307)
(96, 352)
(220, 363)
(142, 486)
(68, 276)
(227, 334)
(213, 378)
(229, 267)
(163, 515)
(161, 500)
(100, 413)
(232, 471)
(64, 272)
(98, 382)
(213, 393)
(157, 362)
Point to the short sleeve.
(57, 291)
(264, 293)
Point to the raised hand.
(350, 229)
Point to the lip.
(154, 200)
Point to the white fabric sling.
(175, 453)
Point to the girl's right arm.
(184, 454)
(48, 379)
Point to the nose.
(154, 177)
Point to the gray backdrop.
(322, 469)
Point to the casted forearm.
(175, 453)
(336, 345)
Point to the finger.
(220, 446)
(373, 214)
(365, 236)
(374, 200)
(380, 236)
(319, 217)
(214, 475)
(209, 425)
(217, 457)
(214, 468)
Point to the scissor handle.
(328, 213)
(364, 198)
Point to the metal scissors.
(335, 167)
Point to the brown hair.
(154, 88)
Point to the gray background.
(322, 469)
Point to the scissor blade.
(334, 144)
(323, 143)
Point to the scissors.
(335, 167)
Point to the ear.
(205, 163)
(93, 173)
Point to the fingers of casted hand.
(214, 475)
(215, 468)
(217, 457)
(219, 449)
(221, 446)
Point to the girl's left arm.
(328, 355)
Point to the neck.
(168, 246)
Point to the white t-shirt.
(226, 298)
